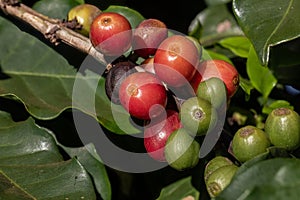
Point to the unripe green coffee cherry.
(198, 116)
(214, 91)
(248, 142)
(84, 14)
(181, 150)
(220, 179)
(283, 128)
(214, 164)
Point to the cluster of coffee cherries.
(176, 93)
(281, 130)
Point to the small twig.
(53, 29)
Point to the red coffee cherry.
(143, 95)
(156, 135)
(222, 70)
(111, 33)
(175, 60)
(147, 37)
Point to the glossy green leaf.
(23, 143)
(180, 189)
(216, 23)
(275, 179)
(239, 45)
(285, 62)
(31, 166)
(246, 165)
(48, 85)
(261, 77)
(246, 85)
(55, 8)
(268, 23)
(90, 160)
(273, 104)
(208, 54)
(133, 16)
(61, 180)
(277, 192)
(9, 190)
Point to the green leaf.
(216, 23)
(261, 77)
(133, 16)
(277, 192)
(31, 166)
(48, 85)
(9, 190)
(246, 85)
(285, 62)
(248, 164)
(66, 179)
(268, 23)
(23, 143)
(55, 8)
(273, 104)
(239, 45)
(270, 176)
(90, 160)
(179, 190)
(208, 54)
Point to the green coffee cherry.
(220, 179)
(181, 150)
(214, 91)
(198, 116)
(248, 142)
(214, 164)
(283, 128)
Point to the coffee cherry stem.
(72, 24)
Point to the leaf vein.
(277, 27)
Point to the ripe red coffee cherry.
(147, 37)
(111, 33)
(143, 95)
(175, 60)
(156, 135)
(222, 70)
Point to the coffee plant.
(147, 100)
